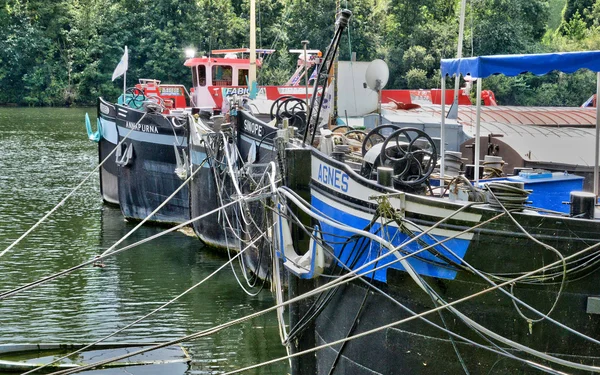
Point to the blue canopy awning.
(512, 65)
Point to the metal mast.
(252, 71)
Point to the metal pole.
(477, 131)
(443, 135)
(597, 135)
(125, 75)
(252, 71)
(461, 31)
(305, 44)
(336, 57)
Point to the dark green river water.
(44, 153)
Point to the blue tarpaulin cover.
(512, 65)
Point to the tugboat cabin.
(211, 74)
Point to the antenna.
(377, 76)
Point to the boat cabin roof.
(540, 144)
(259, 51)
(196, 61)
(513, 65)
(231, 57)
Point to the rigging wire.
(499, 286)
(46, 279)
(90, 174)
(107, 251)
(235, 182)
(547, 247)
(498, 349)
(423, 285)
(360, 309)
(347, 278)
(523, 276)
(143, 317)
(352, 275)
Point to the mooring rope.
(545, 246)
(90, 174)
(512, 296)
(343, 279)
(150, 313)
(227, 226)
(235, 182)
(107, 251)
(346, 279)
(419, 281)
(46, 279)
(498, 350)
(449, 306)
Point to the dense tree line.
(63, 52)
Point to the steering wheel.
(274, 112)
(376, 136)
(137, 97)
(411, 153)
(299, 106)
(294, 109)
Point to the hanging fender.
(308, 266)
(93, 136)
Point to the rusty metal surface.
(561, 135)
(515, 115)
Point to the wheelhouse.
(211, 74)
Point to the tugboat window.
(222, 75)
(242, 77)
(199, 76)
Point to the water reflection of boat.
(24, 357)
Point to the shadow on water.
(43, 154)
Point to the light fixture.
(190, 52)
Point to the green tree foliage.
(63, 52)
(555, 12)
(572, 7)
(508, 26)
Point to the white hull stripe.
(343, 182)
(161, 139)
(368, 216)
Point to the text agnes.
(333, 177)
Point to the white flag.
(122, 67)
(327, 106)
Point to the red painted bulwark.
(432, 96)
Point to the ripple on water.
(45, 153)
